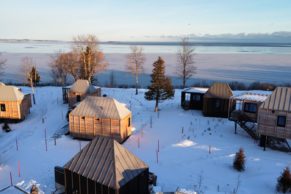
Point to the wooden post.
(151, 122)
(235, 127)
(55, 141)
(157, 154)
(11, 181)
(209, 149)
(158, 145)
(182, 130)
(18, 168)
(16, 141)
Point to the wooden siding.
(89, 127)
(267, 124)
(209, 108)
(72, 96)
(12, 110)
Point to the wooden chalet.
(246, 106)
(78, 91)
(104, 166)
(275, 114)
(216, 100)
(100, 116)
(192, 98)
(14, 105)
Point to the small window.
(187, 97)
(78, 98)
(129, 122)
(250, 107)
(196, 97)
(281, 121)
(217, 104)
(3, 107)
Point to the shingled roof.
(10, 93)
(280, 100)
(220, 90)
(107, 162)
(101, 107)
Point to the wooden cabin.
(78, 91)
(192, 98)
(104, 166)
(246, 106)
(216, 100)
(100, 116)
(14, 105)
(275, 114)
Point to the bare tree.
(61, 65)
(135, 61)
(27, 68)
(185, 57)
(2, 65)
(90, 58)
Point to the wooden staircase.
(251, 130)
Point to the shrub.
(239, 160)
(284, 181)
(6, 127)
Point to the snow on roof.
(10, 93)
(258, 96)
(80, 86)
(101, 107)
(196, 90)
(2, 84)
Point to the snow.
(199, 159)
(196, 90)
(258, 96)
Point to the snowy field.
(198, 159)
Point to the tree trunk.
(136, 84)
(157, 105)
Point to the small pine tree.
(239, 160)
(161, 87)
(33, 76)
(284, 181)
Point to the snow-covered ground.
(195, 152)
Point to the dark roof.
(219, 90)
(107, 162)
(280, 100)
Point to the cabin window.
(129, 122)
(250, 107)
(78, 98)
(187, 97)
(196, 98)
(217, 104)
(281, 121)
(3, 107)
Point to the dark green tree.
(284, 181)
(239, 160)
(33, 76)
(161, 87)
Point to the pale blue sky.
(124, 19)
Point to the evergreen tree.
(239, 160)
(284, 181)
(33, 76)
(161, 87)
